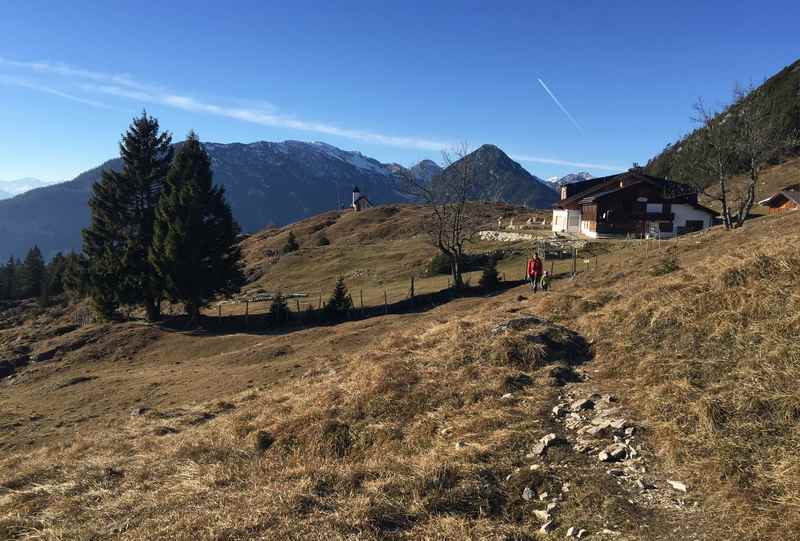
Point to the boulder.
(559, 410)
(677, 485)
(547, 527)
(542, 515)
(613, 453)
(582, 404)
(544, 443)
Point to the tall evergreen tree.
(340, 303)
(194, 250)
(9, 282)
(76, 276)
(34, 273)
(6, 279)
(55, 274)
(119, 238)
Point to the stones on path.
(542, 515)
(576, 533)
(528, 494)
(542, 445)
(677, 485)
(547, 527)
(613, 453)
(581, 404)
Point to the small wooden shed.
(784, 200)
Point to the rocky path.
(594, 441)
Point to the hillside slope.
(266, 183)
(424, 425)
(780, 93)
(501, 179)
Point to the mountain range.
(557, 182)
(10, 188)
(266, 183)
(502, 179)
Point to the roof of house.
(613, 183)
(792, 193)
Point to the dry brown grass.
(709, 355)
(351, 432)
(362, 450)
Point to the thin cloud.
(190, 104)
(22, 83)
(564, 109)
(551, 161)
(75, 72)
(125, 87)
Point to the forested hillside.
(779, 95)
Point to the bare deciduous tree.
(757, 137)
(453, 221)
(712, 160)
(740, 138)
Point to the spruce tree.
(194, 252)
(76, 276)
(340, 302)
(55, 274)
(34, 273)
(291, 244)
(118, 241)
(7, 280)
(279, 309)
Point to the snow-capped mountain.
(265, 183)
(569, 179)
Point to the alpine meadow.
(358, 271)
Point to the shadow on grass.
(262, 324)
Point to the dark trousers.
(534, 279)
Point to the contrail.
(569, 116)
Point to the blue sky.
(396, 80)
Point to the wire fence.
(568, 260)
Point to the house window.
(694, 225)
(574, 220)
(665, 227)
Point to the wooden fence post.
(574, 261)
(385, 302)
(298, 305)
(246, 313)
(361, 291)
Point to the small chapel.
(360, 201)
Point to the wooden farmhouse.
(784, 200)
(630, 204)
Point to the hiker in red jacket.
(535, 269)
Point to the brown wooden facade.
(635, 204)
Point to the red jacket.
(534, 267)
